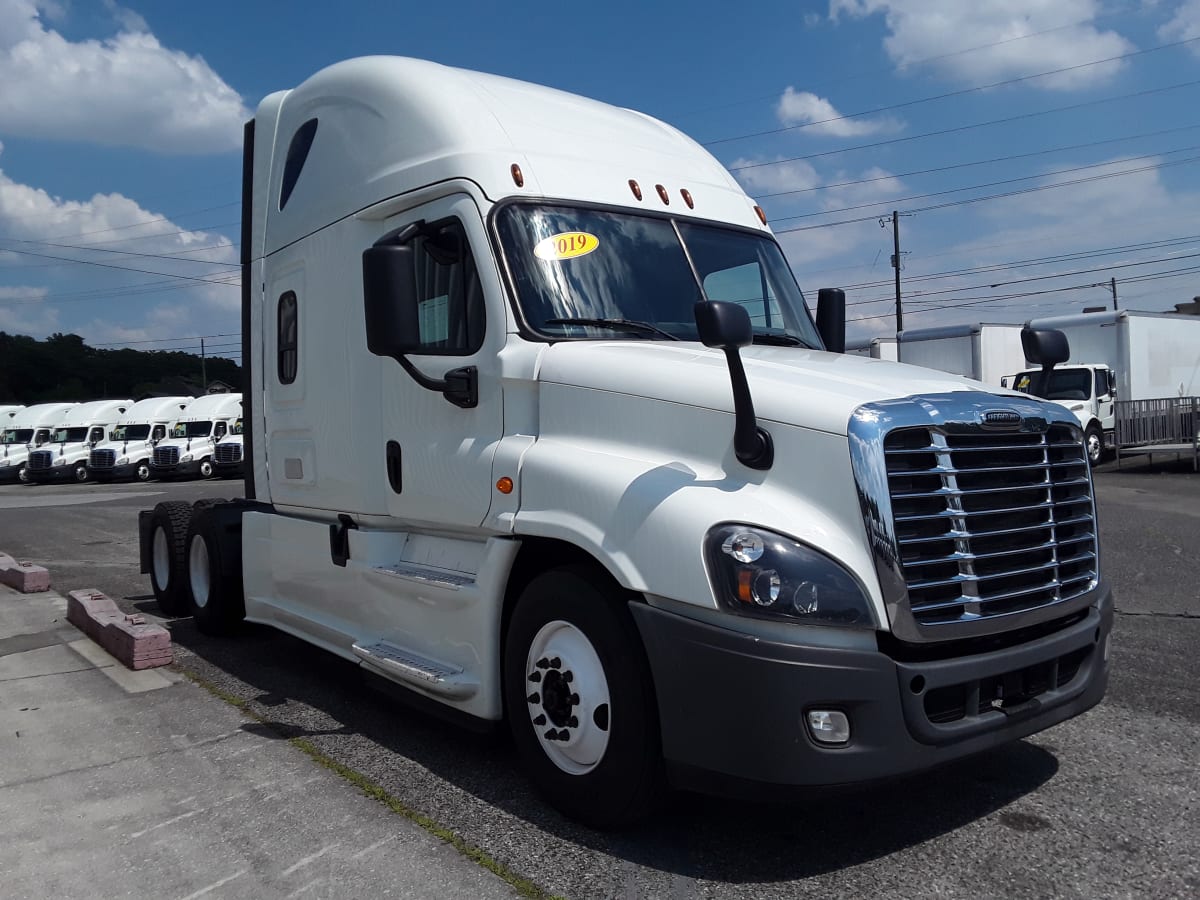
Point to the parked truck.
(1119, 354)
(139, 430)
(876, 348)
(540, 429)
(227, 456)
(65, 456)
(7, 411)
(198, 428)
(26, 431)
(986, 352)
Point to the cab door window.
(450, 316)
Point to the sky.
(1033, 149)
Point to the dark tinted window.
(296, 155)
(287, 341)
(450, 312)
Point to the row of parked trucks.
(1115, 354)
(108, 440)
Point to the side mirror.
(831, 319)
(1046, 349)
(725, 326)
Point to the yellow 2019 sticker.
(566, 245)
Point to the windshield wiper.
(616, 325)
(780, 340)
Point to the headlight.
(759, 573)
(60, 460)
(122, 461)
(187, 457)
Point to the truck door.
(435, 458)
(1104, 398)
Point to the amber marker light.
(505, 485)
(636, 188)
(762, 216)
(687, 198)
(745, 579)
(518, 176)
(662, 192)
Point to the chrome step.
(441, 577)
(437, 677)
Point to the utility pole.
(203, 367)
(896, 266)
(1114, 292)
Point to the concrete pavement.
(142, 784)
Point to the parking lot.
(1104, 805)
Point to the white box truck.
(198, 428)
(25, 432)
(65, 456)
(986, 352)
(139, 430)
(1119, 354)
(227, 456)
(539, 428)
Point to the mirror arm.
(752, 443)
(459, 386)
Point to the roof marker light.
(518, 177)
(762, 216)
(687, 198)
(662, 192)
(636, 188)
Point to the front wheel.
(580, 698)
(206, 468)
(143, 471)
(1093, 441)
(22, 475)
(80, 473)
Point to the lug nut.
(574, 699)
(539, 721)
(551, 735)
(573, 722)
(556, 663)
(535, 677)
(542, 663)
(535, 697)
(568, 676)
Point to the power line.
(125, 227)
(89, 262)
(960, 128)
(195, 337)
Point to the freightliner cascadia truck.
(538, 426)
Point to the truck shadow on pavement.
(473, 783)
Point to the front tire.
(80, 473)
(580, 698)
(22, 475)
(206, 468)
(1093, 442)
(214, 575)
(168, 540)
(142, 471)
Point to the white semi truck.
(189, 448)
(7, 411)
(65, 456)
(539, 428)
(1119, 354)
(986, 352)
(227, 457)
(28, 430)
(139, 430)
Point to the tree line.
(64, 368)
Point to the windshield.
(131, 432)
(192, 429)
(1065, 384)
(70, 435)
(572, 263)
(17, 436)
(237, 427)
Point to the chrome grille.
(102, 459)
(988, 523)
(40, 459)
(228, 453)
(166, 456)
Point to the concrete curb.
(22, 576)
(135, 644)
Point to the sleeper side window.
(450, 311)
(297, 155)
(287, 338)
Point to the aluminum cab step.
(403, 665)
(427, 575)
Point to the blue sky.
(120, 125)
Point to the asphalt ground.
(1106, 805)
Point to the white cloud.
(870, 185)
(127, 90)
(774, 176)
(19, 313)
(922, 30)
(820, 116)
(1185, 24)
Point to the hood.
(789, 385)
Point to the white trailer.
(65, 456)
(189, 448)
(539, 429)
(27, 431)
(139, 430)
(876, 348)
(1121, 354)
(986, 352)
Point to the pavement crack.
(1158, 615)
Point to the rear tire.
(214, 573)
(1093, 442)
(580, 698)
(168, 539)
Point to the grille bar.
(40, 459)
(102, 459)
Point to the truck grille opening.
(228, 453)
(166, 456)
(989, 524)
(40, 459)
(102, 459)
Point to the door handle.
(394, 474)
